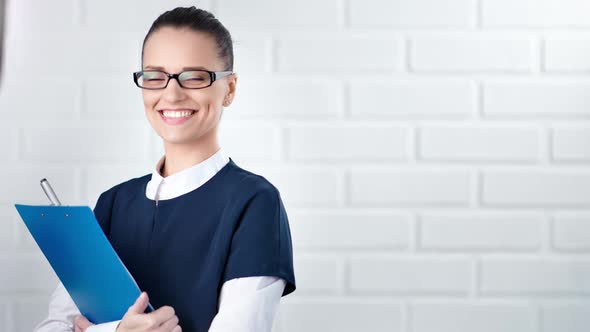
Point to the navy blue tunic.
(182, 250)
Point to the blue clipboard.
(75, 245)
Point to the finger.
(162, 314)
(76, 324)
(140, 304)
(177, 329)
(170, 324)
(83, 323)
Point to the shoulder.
(249, 184)
(125, 188)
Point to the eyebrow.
(183, 69)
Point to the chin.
(174, 138)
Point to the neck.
(182, 156)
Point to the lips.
(175, 109)
(176, 116)
(176, 113)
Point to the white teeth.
(176, 114)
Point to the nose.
(173, 91)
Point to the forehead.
(174, 49)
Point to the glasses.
(192, 79)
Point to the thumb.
(140, 304)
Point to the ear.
(232, 82)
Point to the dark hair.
(197, 20)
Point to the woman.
(207, 241)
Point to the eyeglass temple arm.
(221, 74)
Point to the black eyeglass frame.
(214, 75)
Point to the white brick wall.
(432, 154)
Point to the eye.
(196, 76)
(153, 76)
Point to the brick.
(111, 53)
(113, 96)
(9, 150)
(569, 53)
(94, 53)
(134, 15)
(476, 143)
(421, 13)
(60, 97)
(25, 189)
(348, 142)
(283, 13)
(30, 15)
(271, 98)
(475, 316)
(534, 13)
(537, 98)
(412, 98)
(302, 186)
(343, 316)
(17, 276)
(339, 54)
(529, 276)
(536, 187)
(251, 141)
(571, 317)
(251, 55)
(472, 52)
(5, 315)
(319, 274)
(29, 311)
(24, 240)
(428, 186)
(571, 232)
(571, 144)
(349, 229)
(25, 51)
(8, 219)
(481, 231)
(372, 274)
(85, 144)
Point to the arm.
(62, 311)
(248, 304)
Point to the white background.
(432, 154)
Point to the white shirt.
(245, 304)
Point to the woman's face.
(174, 50)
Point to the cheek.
(215, 97)
(149, 101)
(208, 99)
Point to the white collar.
(187, 180)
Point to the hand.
(161, 320)
(81, 324)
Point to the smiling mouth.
(177, 117)
(169, 114)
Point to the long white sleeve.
(248, 304)
(62, 311)
(245, 304)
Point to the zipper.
(155, 218)
(154, 222)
